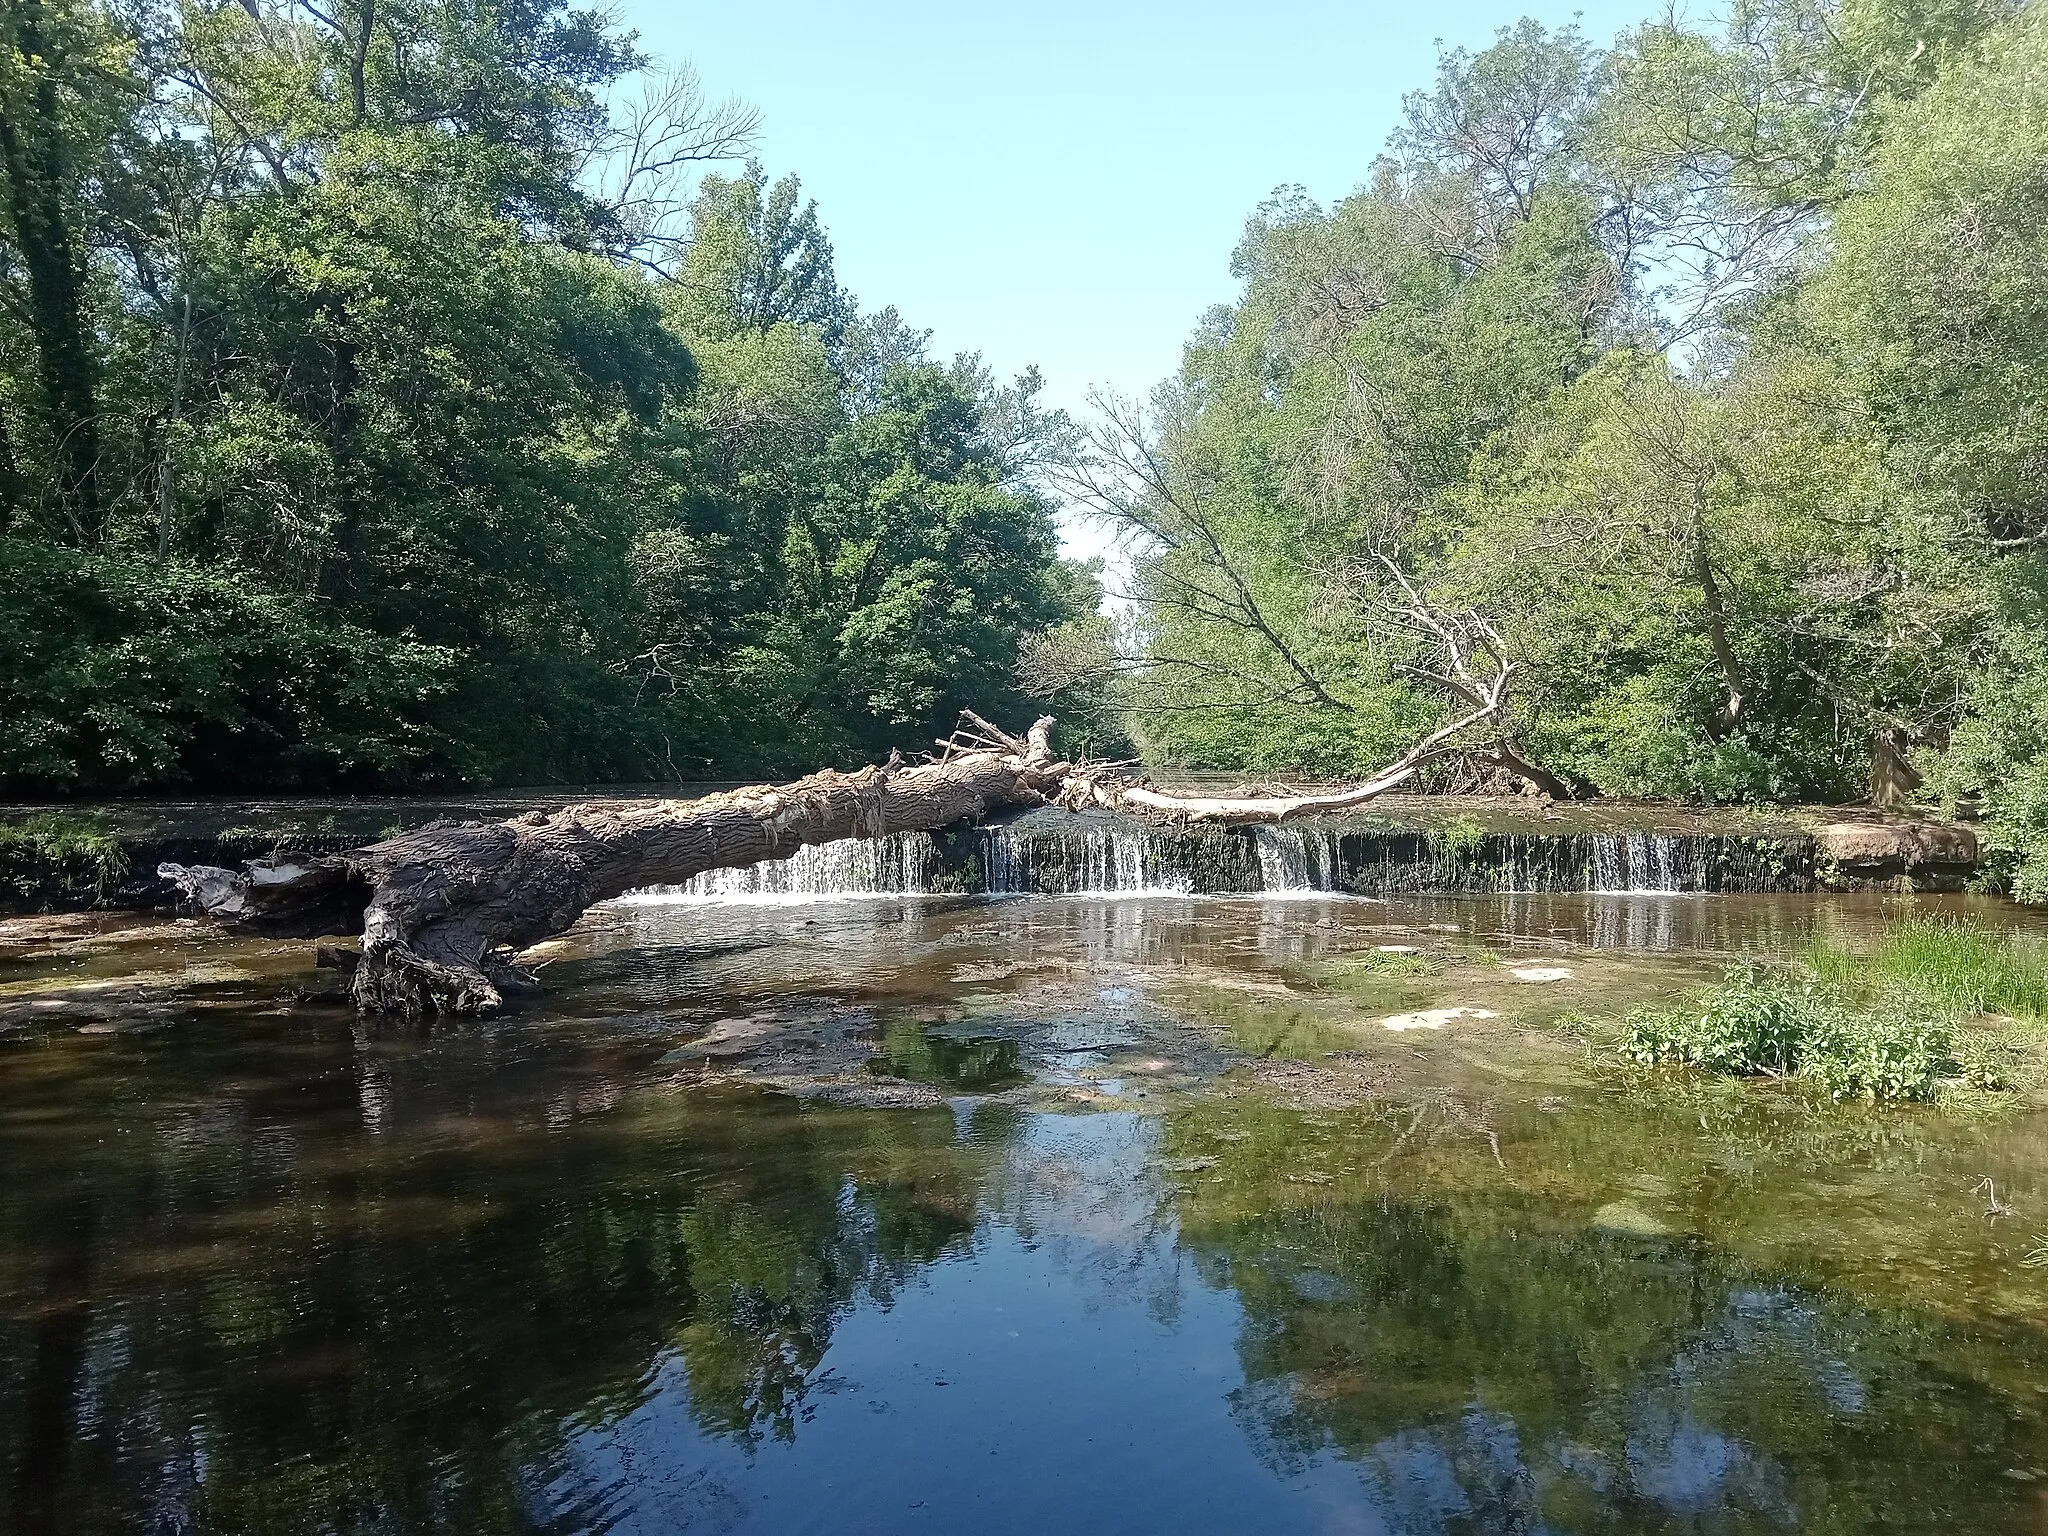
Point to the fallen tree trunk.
(444, 909)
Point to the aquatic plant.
(1391, 962)
(1891, 1024)
(1456, 839)
(65, 848)
(1883, 1058)
(1774, 1021)
(1958, 966)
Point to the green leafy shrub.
(1882, 1059)
(1757, 1023)
(1762, 1021)
(1889, 1024)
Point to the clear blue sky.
(1062, 182)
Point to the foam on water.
(850, 869)
(1098, 858)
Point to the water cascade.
(1095, 857)
(1644, 861)
(1401, 862)
(901, 865)
(1058, 854)
(1296, 859)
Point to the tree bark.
(1506, 756)
(11, 497)
(1729, 715)
(32, 155)
(337, 578)
(444, 909)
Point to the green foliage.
(1457, 838)
(1931, 301)
(1897, 1022)
(381, 446)
(1959, 967)
(1753, 1024)
(1760, 1024)
(353, 434)
(1993, 761)
(126, 673)
(1705, 369)
(52, 850)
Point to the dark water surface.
(263, 1269)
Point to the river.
(1097, 1213)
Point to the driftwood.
(443, 910)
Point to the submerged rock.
(1629, 1219)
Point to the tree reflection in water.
(289, 1285)
(267, 1276)
(1494, 1361)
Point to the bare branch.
(636, 169)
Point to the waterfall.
(1396, 861)
(1096, 858)
(899, 865)
(1056, 853)
(1643, 862)
(1292, 859)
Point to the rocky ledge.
(1876, 853)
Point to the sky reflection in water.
(260, 1271)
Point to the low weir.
(903, 865)
(1053, 853)
(1418, 848)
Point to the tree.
(375, 410)
(1623, 351)
(66, 96)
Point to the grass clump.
(69, 847)
(1907, 1022)
(1959, 967)
(1376, 963)
(1456, 838)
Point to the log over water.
(443, 910)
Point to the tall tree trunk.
(1729, 715)
(167, 469)
(32, 153)
(11, 498)
(359, 58)
(1893, 778)
(344, 417)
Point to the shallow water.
(1174, 1232)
